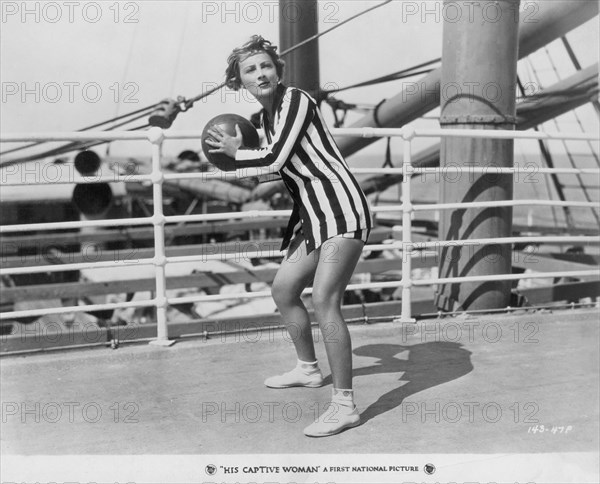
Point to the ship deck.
(468, 385)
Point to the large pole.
(479, 72)
(297, 22)
(543, 22)
(562, 97)
(549, 20)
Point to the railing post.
(156, 137)
(407, 247)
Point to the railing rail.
(409, 248)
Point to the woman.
(329, 226)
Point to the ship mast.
(479, 75)
(299, 21)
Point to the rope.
(411, 71)
(75, 145)
(181, 39)
(316, 36)
(577, 66)
(183, 105)
(189, 103)
(338, 105)
(564, 143)
(145, 110)
(376, 112)
(547, 157)
(560, 93)
(125, 71)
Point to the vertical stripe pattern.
(328, 200)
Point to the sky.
(72, 72)
(67, 65)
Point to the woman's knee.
(324, 303)
(284, 295)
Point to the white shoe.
(296, 378)
(334, 420)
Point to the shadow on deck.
(521, 383)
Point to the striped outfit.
(327, 198)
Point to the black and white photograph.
(300, 241)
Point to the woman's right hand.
(223, 142)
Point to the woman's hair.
(255, 45)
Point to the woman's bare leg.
(337, 260)
(294, 275)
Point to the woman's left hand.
(223, 142)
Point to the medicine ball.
(227, 123)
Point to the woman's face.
(258, 75)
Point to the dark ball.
(92, 199)
(87, 162)
(227, 123)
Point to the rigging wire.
(125, 71)
(338, 105)
(184, 105)
(577, 66)
(316, 36)
(145, 111)
(411, 71)
(189, 103)
(181, 39)
(533, 74)
(72, 146)
(571, 92)
(565, 145)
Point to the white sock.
(343, 397)
(308, 367)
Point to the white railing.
(410, 249)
